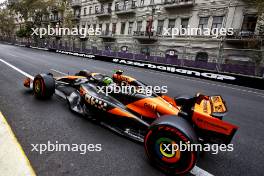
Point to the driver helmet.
(107, 81)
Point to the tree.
(7, 24)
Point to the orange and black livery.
(155, 119)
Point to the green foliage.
(25, 32)
(7, 23)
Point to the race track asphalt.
(35, 121)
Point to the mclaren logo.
(176, 70)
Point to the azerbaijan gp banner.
(229, 78)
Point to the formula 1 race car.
(155, 119)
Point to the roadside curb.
(13, 160)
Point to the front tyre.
(162, 144)
(43, 86)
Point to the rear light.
(27, 82)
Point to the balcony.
(103, 13)
(76, 17)
(171, 4)
(103, 1)
(145, 36)
(107, 35)
(76, 3)
(241, 36)
(45, 19)
(124, 9)
(55, 19)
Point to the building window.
(203, 23)
(94, 26)
(160, 27)
(202, 56)
(125, 5)
(184, 23)
(102, 9)
(152, 2)
(116, 6)
(90, 10)
(141, 2)
(107, 28)
(133, 4)
(130, 28)
(249, 23)
(217, 22)
(96, 9)
(171, 54)
(123, 27)
(139, 26)
(114, 28)
(171, 23)
(84, 11)
(109, 8)
(145, 51)
(124, 48)
(108, 47)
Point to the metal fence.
(217, 61)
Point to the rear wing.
(211, 105)
(207, 116)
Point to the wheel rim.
(166, 150)
(37, 86)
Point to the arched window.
(124, 48)
(108, 47)
(145, 51)
(202, 56)
(171, 53)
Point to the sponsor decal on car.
(95, 102)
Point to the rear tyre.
(160, 145)
(43, 86)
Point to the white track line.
(199, 172)
(58, 72)
(17, 69)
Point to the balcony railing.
(55, 19)
(76, 3)
(107, 34)
(76, 17)
(129, 8)
(243, 35)
(54, 9)
(145, 35)
(104, 12)
(45, 19)
(178, 3)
